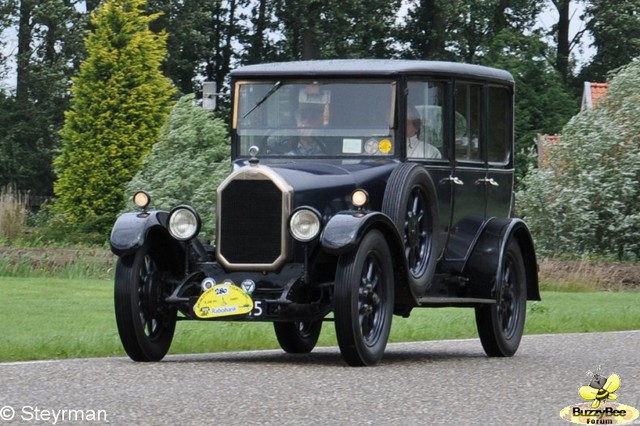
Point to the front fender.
(345, 230)
(131, 230)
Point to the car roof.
(371, 68)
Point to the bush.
(50, 229)
(13, 213)
(187, 164)
(584, 204)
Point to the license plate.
(223, 300)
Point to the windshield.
(315, 118)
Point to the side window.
(499, 125)
(467, 126)
(424, 120)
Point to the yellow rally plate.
(223, 300)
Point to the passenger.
(417, 148)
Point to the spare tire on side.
(410, 200)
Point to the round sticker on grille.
(223, 300)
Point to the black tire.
(145, 323)
(298, 337)
(501, 326)
(363, 306)
(410, 200)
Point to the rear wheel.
(145, 322)
(298, 337)
(501, 326)
(364, 301)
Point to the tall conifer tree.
(120, 100)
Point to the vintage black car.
(361, 189)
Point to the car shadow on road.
(327, 357)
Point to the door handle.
(489, 181)
(454, 179)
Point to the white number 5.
(257, 308)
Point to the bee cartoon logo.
(599, 409)
(600, 389)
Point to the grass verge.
(45, 318)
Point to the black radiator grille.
(251, 222)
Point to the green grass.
(44, 318)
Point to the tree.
(615, 28)
(425, 30)
(585, 202)
(561, 32)
(49, 51)
(120, 101)
(6, 10)
(314, 29)
(91, 5)
(257, 47)
(189, 161)
(202, 41)
(463, 31)
(543, 103)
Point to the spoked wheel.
(501, 326)
(410, 201)
(145, 323)
(298, 337)
(364, 295)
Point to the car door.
(483, 166)
(469, 171)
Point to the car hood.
(327, 185)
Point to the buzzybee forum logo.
(599, 408)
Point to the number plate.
(223, 300)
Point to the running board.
(453, 301)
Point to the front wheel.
(501, 326)
(145, 323)
(298, 337)
(363, 306)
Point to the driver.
(308, 117)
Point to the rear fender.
(485, 261)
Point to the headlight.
(304, 225)
(184, 223)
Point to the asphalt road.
(442, 383)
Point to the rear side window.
(468, 122)
(499, 125)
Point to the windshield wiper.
(271, 91)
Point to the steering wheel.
(291, 146)
(314, 143)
